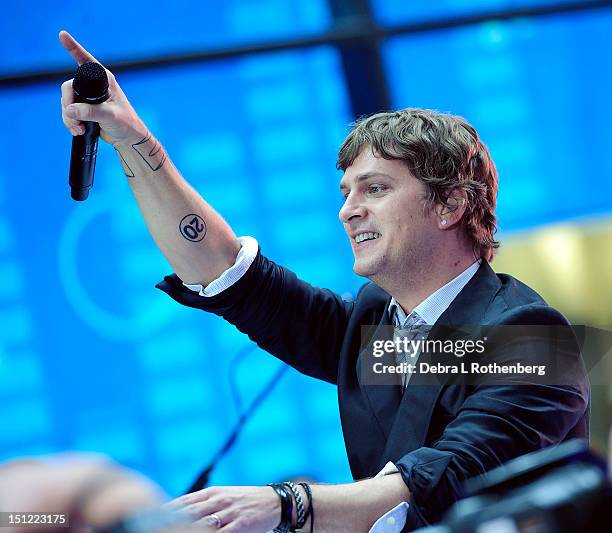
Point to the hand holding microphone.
(90, 86)
(93, 102)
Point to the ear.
(450, 215)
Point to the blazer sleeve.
(302, 325)
(496, 423)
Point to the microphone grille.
(90, 82)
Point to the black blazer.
(438, 434)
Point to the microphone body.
(90, 86)
(83, 161)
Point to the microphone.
(90, 86)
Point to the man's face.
(384, 219)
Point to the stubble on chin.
(391, 274)
(359, 270)
(359, 267)
(368, 268)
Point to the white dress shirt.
(245, 258)
(428, 311)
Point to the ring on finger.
(214, 519)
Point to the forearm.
(197, 242)
(194, 238)
(354, 507)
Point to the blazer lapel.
(413, 418)
(384, 398)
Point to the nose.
(351, 208)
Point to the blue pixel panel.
(92, 356)
(393, 12)
(135, 30)
(537, 90)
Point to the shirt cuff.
(245, 258)
(389, 468)
(394, 520)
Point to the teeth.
(366, 236)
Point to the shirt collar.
(435, 304)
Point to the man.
(420, 192)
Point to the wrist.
(300, 508)
(141, 154)
(134, 137)
(286, 507)
(131, 131)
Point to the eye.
(375, 188)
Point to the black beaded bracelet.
(299, 505)
(284, 525)
(310, 511)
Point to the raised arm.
(194, 238)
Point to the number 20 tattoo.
(193, 227)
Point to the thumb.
(87, 112)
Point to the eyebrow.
(365, 176)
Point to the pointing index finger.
(79, 53)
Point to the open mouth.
(366, 236)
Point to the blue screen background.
(92, 357)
